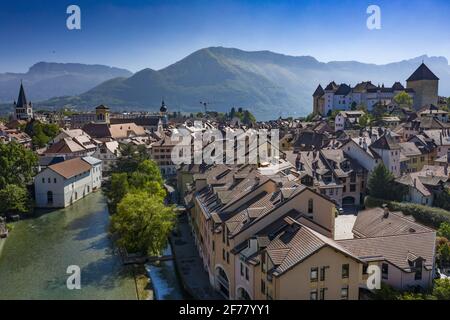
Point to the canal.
(35, 257)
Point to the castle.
(421, 86)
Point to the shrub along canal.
(36, 255)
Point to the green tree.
(443, 200)
(41, 133)
(441, 289)
(117, 189)
(444, 230)
(365, 120)
(14, 199)
(382, 184)
(353, 106)
(130, 158)
(378, 111)
(403, 100)
(142, 223)
(18, 165)
(248, 118)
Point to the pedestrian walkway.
(189, 264)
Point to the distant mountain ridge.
(267, 83)
(48, 79)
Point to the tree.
(14, 199)
(444, 230)
(142, 223)
(41, 133)
(146, 176)
(441, 289)
(382, 184)
(117, 189)
(353, 106)
(378, 111)
(232, 113)
(18, 165)
(403, 100)
(443, 199)
(248, 118)
(130, 157)
(365, 120)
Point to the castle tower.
(23, 110)
(102, 114)
(425, 85)
(318, 100)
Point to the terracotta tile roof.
(400, 250)
(295, 242)
(372, 223)
(66, 145)
(71, 168)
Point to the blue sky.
(136, 34)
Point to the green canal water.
(35, 257)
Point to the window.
(49, 180)
(54, 180)
(43, 180)
(246, 274)
(213, 246)
(228, 257)
(223, 236)
(49, 197)
(344, 293)
(223, 254)
(352, 187)
(331, 192)
(364, 269)
(384, 270)
(345, 270)
(322, 293)
(242, 270)
(310, 206)
(263, 287)
(344, 189)
(418, 270)
(263, 262)
(313, 295)
(313, 274)
(322, 273)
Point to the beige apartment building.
(268, 238)
(271, 237)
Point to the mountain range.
(45, 80)
(267, 83)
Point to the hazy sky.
(136, 34)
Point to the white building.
(346, 119)
(371, 152)
(108, 152)
(64, 183)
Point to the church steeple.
(21, 100)
(23, 110)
